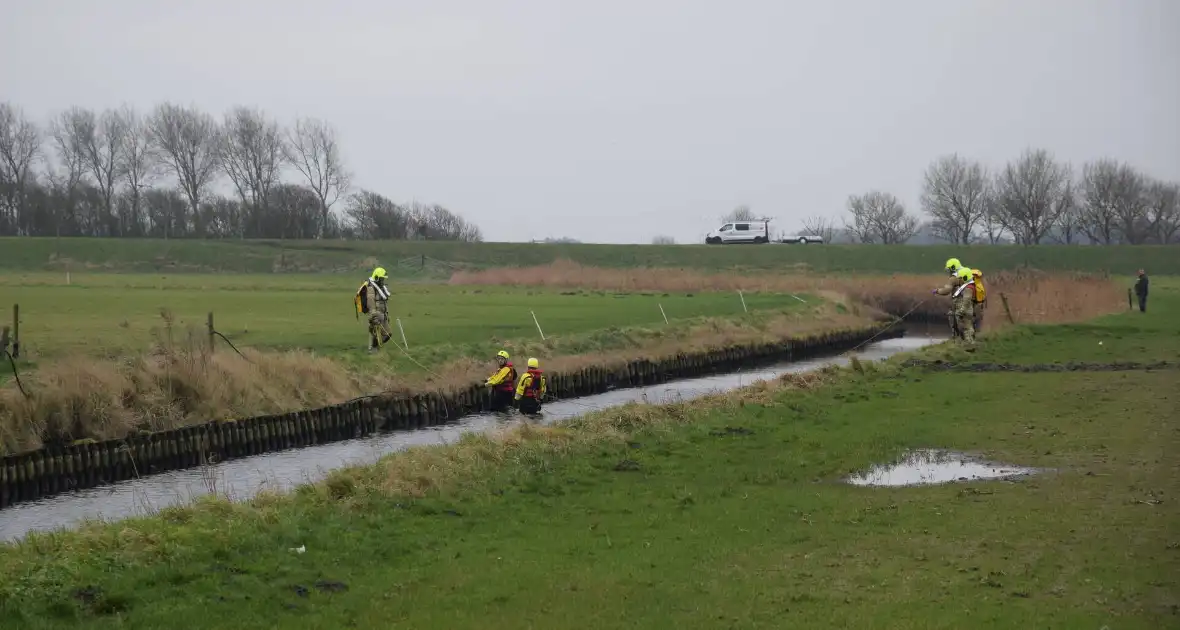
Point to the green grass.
(1131, 336)
(117, 313)
(656, 517)
(420, 259)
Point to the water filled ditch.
(240, 479)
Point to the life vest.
(508, 384)
(533, 389)
(361, 300)
(980, 290)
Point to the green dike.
(433, 259)
(727, 512)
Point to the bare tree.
(188, 142)
(20, 147)
(101, 141)
(954, 194)
(740, 213)
(312, 148)
(1069, 225)
(993, 231)
(141, 164)
(252, 154)
(880, 217)
(1115, 203)
(1031, 194)
(67, 133)
(1163, 210)
(663, 240)
(820, 226)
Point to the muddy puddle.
(930, 466)
(240, 479)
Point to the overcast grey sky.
(615, 121)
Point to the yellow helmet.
(534, 363)
(503, 354)
(379, 272)
(964, 274)
(952, 264)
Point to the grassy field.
(422, 259)
(726, 512)
(118, 313)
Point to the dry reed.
(179, 382)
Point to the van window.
(727, 227)
(743, 226)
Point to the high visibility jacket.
(532, 385)
(504, 379)
(370, 296)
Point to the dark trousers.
(1142, 303)
(530, 406)
(501, 399)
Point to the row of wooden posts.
(85, 464)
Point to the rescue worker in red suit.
(502, 383)
(530, 391)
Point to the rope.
(891, 325)
(231, 344)
(16, 374)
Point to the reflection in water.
(241, 478)
(933, 467)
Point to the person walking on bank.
(963, 301)
(1141, 291)
(952, 267)
(502, 383)
(372, 299)
(530, 392)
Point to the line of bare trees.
(120, 173)
(1033, 199)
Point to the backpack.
(980, 290)
(360, 301)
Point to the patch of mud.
(926, 467)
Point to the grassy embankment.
(102, 353)
(421, 259)
(93, 378)
(725, 512)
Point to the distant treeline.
(1035, 199)
(116, 173)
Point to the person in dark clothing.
(1141, 291)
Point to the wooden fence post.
(1007, 311)
(16, 331)
(209, 326)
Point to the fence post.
(209, 327)
(403, 331)
(1007, 311)
(16, 331)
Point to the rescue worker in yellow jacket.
(372, 299)
(530, 391)
(502, 383)
(952, 267)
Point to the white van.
(740, 232)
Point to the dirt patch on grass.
(1033, 296)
